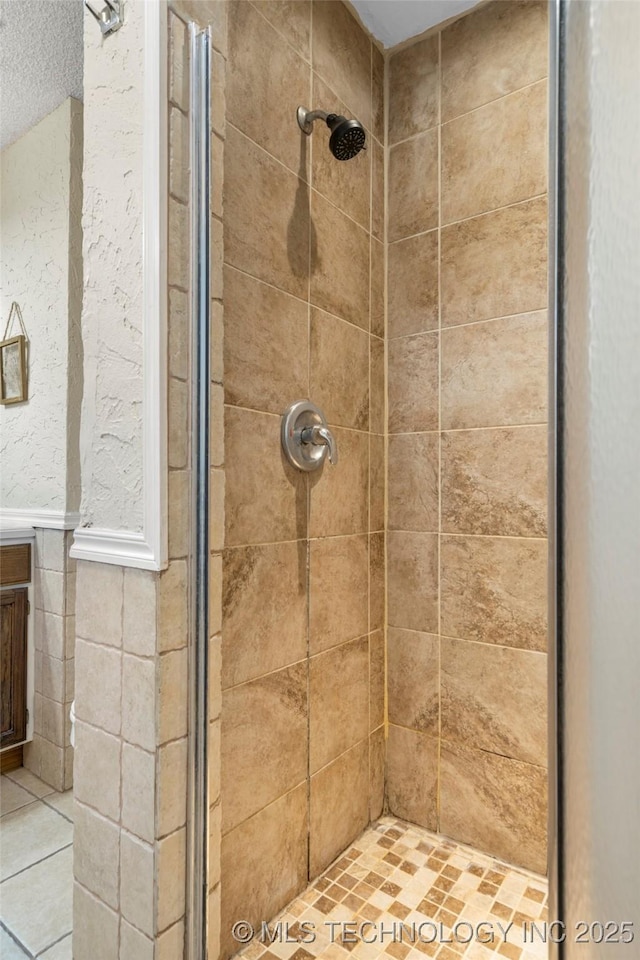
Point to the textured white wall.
(40, 268)
(111, 432)
(39, 67)
(601, 548)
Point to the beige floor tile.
(9, 949)
(391, 894)
(29, 835)
(62, 802)
(50, 885)
(13, 796)
(30, 782)
(62, 950)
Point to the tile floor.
(36, 869)
(405, 893)
(399, 892)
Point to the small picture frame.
(13, 370)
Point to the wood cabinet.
(15, 568)
(13, 666)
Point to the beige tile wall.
(303, 564)
(115, 762)
(467, 327)
(50, 755)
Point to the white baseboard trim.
(48, 519)
(113, 546)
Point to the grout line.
(497, 426)
(493, 210)
(307, 480)
(467, 745)
(37, 863)
(55, 809)
(446, 430)
(325, 766)
(120, 763)
(467, 113)
(439, 602)
(370, 469)
(483, 643)
(502, 96)
(55, 942)
(385, 625)
(15, 939)
(342, 106)
(306, 181)
(294, 663)
(278, 416)
(459, 116)
(277, 543)
(476, 216)
(498, 646)
(23, 806)
(307, 60)
(306, 301)
(413, 236)
(469, 536)
(26, 789)
(490, 536)
(537, 311)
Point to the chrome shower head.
(347, 136)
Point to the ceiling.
(392, 21)
(41, 49)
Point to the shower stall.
(377, 307)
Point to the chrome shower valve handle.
(306, 439)
(320, 436)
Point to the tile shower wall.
(467, 254)
(303, 578)
(50, 755)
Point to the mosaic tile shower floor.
(429, 895)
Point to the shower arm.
(307, 117)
